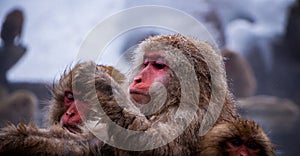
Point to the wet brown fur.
(30, 140)
(116, 106)
(56, 105)
(214, 141)
(188, 142)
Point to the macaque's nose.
(137, 79)
(70, 114)
(71, 111)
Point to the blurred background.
(259, 39)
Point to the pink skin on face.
(71, 119)
(240, 148)
(154, 69)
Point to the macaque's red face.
(71, 118)
(154, 69)
(238, 147)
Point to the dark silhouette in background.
(12, 50)
(12, 27)
(17, 103)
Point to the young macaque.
(238, 138)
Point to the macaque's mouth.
(139, 92)
(140, 97)
(72, 128)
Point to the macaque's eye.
(236, 142)
(252, 145)
(159, 65)
(69, 95)
(145, 64)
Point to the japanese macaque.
(175, 80)
(62, 108)
(178, 91)
(12, 26)
(66, 135)
(238, 138)
(241, 78)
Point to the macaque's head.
(154, 69)
(70, 94)
(246, 138)
(238, 138)
(168, 67)
(71, 119)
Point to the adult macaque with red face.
(71, 118)
(63, 106)
(172, 88)
(64, 119)
(154, 69)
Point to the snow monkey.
(62, 108)
(66, 134)
(238, 138)
(177, 87)
(172, 87)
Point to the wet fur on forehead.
(240, 127)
